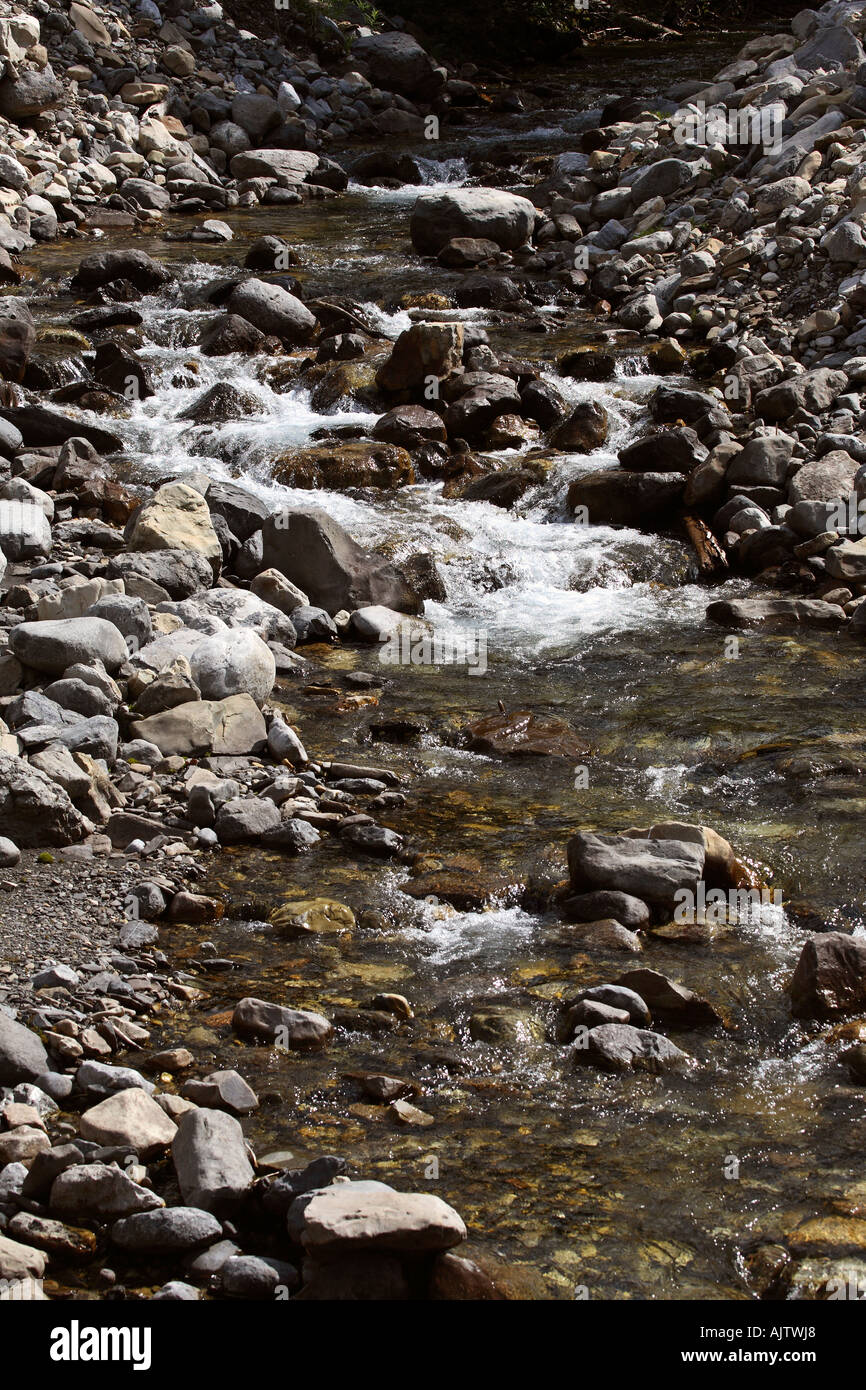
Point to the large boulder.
(17, 337)
(652, 870)
(155, 575)
(367, 1215)
(176, 517)
(437, 218)
(225, 728)
(22, 1056)
(52, 646)
(210, 1158)
(755, 612)
(35, 811)
(25, 533)
(273, 310)
(422, 351)
(231, 662)
(288, 167)
(41, 428)
(616, 497)
(314, 552)
(101, 267)
(830, 978)
(398, 63)
(28, 92)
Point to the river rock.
(53, 646)
(20, 1262)
(176, 517)
(131, 1117)
(830, 978)
(99, 1191)
(486, 213)
(754, 612)
(616, 497)
(22, 1056)
(524, 733)
(398, 63)
(225, 728)
(232, 662)
(295, 1029)
(422, 351)
(211, 1161)
(652, 870)
(583, 430)
(166, 1230)
(354, 1216)
(675, 450)
(315, 553)
(159, 574)
(246, 818)
(619, 1047)
(623, 907)
(668, 998)
(34, 809)
(25, 533)
(273, 310)
(101, 267)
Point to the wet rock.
(668, 998)
(408, 426)
(504, 218)
(357, 1277)
(273, 310)
(620, 498)
(455, 1278)
(623, 907)
(422, 351)
(608, 934)
(295, 1029)
(675, 450)
(808, 612)
(585, 429)
(830, 978)
(344, 465)
(230, 333)
(222, 402)
(524, 733)
(653, 870)
(315, 553)
(372, 1216)
(618, 1047)
(141, 270)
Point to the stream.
(568, 1179)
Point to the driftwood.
(712, 560)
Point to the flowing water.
(567, 1177)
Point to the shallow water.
(571, 1178)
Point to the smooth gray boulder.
(652, 870)
(294, 1029)
(53, 645)
(231, 662)
(22, 1055)
(25, 532)
(438, 218)
(619, 1047)
(210, 1158)
(273, 310)
(166, 1230)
